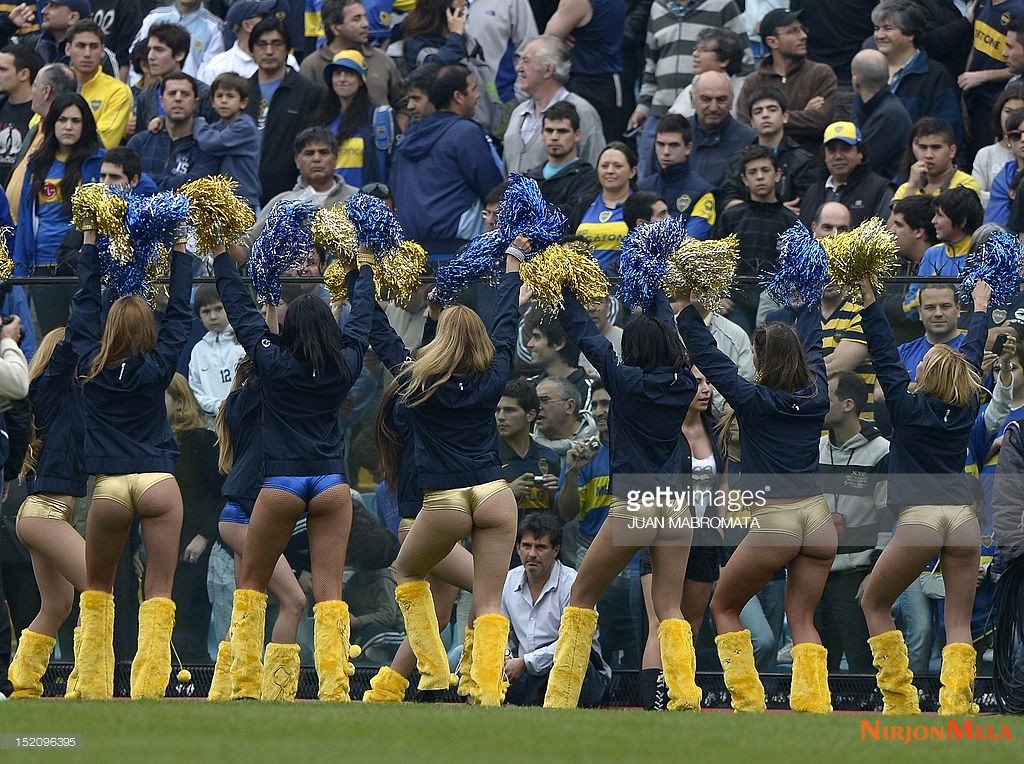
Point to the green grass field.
(188, 731)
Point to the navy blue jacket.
(454, 434)
(927, 89)
(56, 400)
(301, 431)
(929, 436)
(648, 408)
(126, 428)
(779, 431)
(675, 181)
(242, 411)
(884, 125)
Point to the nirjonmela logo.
(951, 731)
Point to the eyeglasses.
(264, 44)
(380, 190)
(1014, 135)
(544, 401)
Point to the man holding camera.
(530, 468)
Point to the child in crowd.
(211, 367)
(234, 138)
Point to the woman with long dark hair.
(435, 32)
(305, 376)
(780, 420)
(70, 154)
(932, 420)
(600, 220)
(650, 390)
(127, 363)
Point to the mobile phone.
(999, 344)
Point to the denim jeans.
(915, 616)
(220, 585)
(763, 615)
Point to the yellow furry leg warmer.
(388, 686)
(72, 690)
(421, 628)
(894, 677)
(96, 656)
(29, 664)
(572, 655)
(248, 620)
(490, 635)
(151, 669)
(331, 650)
(467, 687)
(956, 696)
(220, 685)
(280, 672)
(809, 691)
(736, 652)
(679, 664)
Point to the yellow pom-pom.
(216, 212)
(334, 281)
(95, 206)
(184, 676)
(6, 263)
(333, 231)
(398, 273)
(569, 266)
(354, 651)
(869, 251)
(705, 268)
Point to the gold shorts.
(799, 519)
(619, 508)
(944, 518)
(126, 490)
(47, 507)
(462, 499)
(405, 524)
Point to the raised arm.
(177, 323)
(360, 321)
(808, 328)
(892, 375)
(386, 343)
(249, 326)
(973, 346)
(86, 322)
(580, 329)
(720, 371)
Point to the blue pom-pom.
(377, 229)
(643, 261)
(480, 259)
(153, 221)
(996, 262)
(802, 270)
(284, 242)
(525, 212)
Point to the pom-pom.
(377, 229)
(643, 262)
(284, 242)
(524, 212)
(398, 274)
(153, 221)
(6, 263)
(802, 269)
(354, 651)
(997, 262)
(184, 676)
(564, 266)
(106, 208)
(869, 251)
(333, 231)
(216, 213)
(480, 259)
(705, 268)
(334, 281)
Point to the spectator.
(285, 104)
(171, 155)
(69, 155)
(534, 596)
(19, 65)
(911, 222)
(925, 87)
(1005, 184)
(502, 28)
(716, 135)
(586, 477)
(595, 27)
(211, 367)
(206, 31)
(58, 18)
(551, 350)
(167, 49)
(565, 178)
(530, 468)
(854, 465)
(688, 195)
(769, 116)
(600, 312)
(370, 590)
(601, 222)
(18, 20)
(119, 20)
(230, 139)
(122, 167)
(673, 37)
(810, 87)
(849, 180)
(443, 168)
(939, 310)
(1013, 51)
(242, 17)
(991, 159)
(830, 219)
(417, 91)
(717, 50)
(643, 207)
(108, 97)
(839, 29)
(561, 422)
(880, 116)
(543, 71)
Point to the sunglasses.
(1014, 135)
(380, 190)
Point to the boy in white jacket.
(211, 368)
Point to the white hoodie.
(211, 369)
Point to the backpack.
(488, 109)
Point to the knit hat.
(352, 60)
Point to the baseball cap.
(242, 10)
(775, 19)
(846, 132)
(352, 60)
(82, 7)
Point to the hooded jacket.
(211, 368)
(687, 194)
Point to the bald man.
(883, 120)
(830, 219)
(716, 135)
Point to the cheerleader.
(780, 420)
(931, 421)
(126, 366)
(450, 392)
(650, 390)
(53, 471)
(305, 375)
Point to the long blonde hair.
(461, 347)
(226, 452)
(36, 369)
(130, 330)
(947, 375)
(186, 413)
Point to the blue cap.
(82, 7)
(241, 10)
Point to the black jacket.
(865, 194)
(758, 225)
(884, 124)
(798, 171)
(568, 186)
(290, 111)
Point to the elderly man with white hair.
(717, 136)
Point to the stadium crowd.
(733, 117)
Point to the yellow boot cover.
(72, 691)
(736, 652)
(96, 657)
(280, 672)
(894, 677)
(331, 650)
(956, 696)
(388, 686)
(29, 664)
(809, 691)
(220, 685)
(151, 669)
(248, 619)
(679, 664)
(417, 607)
(490, 640)
(572, 656)
(467, 687)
